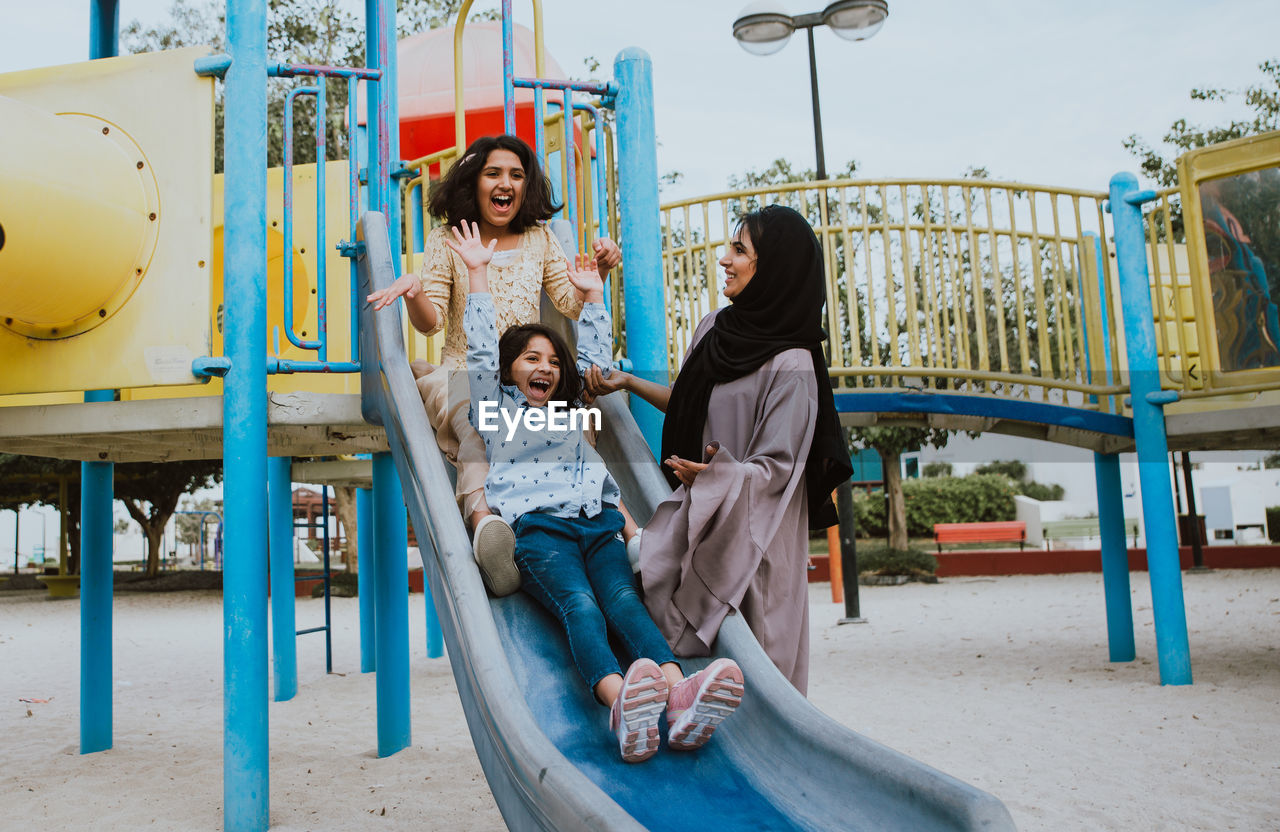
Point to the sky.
(1038, 91)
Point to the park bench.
(1083, 527)
(999, 531)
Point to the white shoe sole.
(644, 698)
(718, 697)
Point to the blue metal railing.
(320, 343)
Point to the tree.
(344, 506)
(150, 493)
(1263, 99)
(890, 442)
(32, 480)
(300, 32)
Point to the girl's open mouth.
(540, 386)
(503, 202)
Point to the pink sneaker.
(635, 713)
(701, 702)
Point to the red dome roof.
(425, 68)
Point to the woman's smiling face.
(739, 264)
(500, 189)
(536, 371)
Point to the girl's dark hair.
(514, 342)
(453, 196)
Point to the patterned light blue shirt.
(551, 471)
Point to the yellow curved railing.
(961, 285)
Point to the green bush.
(1273, 523)
(936, 469)
(977, 498)
(1040, 491)
(1011, 468)
(881, 560)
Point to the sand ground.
(1002, 682)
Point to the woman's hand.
(608, 255)
(597, 384)
(687, 470)
(408, 286)
(474, 253)
(587, 284)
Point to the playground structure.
(964, 304)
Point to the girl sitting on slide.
(551, 485)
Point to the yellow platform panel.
(142, 328)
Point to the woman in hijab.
(752, 445)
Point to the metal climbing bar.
(293, 337)
(325, 576)
(320, 344)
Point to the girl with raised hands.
(552, 486)
(499, 188)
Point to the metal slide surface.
(542, 740)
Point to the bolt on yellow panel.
(106, 172)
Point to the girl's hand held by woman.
(588, 284)
(607, 255)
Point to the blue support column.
(97, 493)
(641, 232)
(435, 636)
(1167, 602)
(96, 497)
(391, 603)
(1115, 557)
(104, 29)
(364, 579)
(245, 757)
(284, 627)
(390, 129)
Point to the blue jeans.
(577, 568)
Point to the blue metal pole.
(284, 641)
(435, 636)
(375, 57)
(96, 497)
(1106, 470)
(245, 757)
(571, 167)
(640, 231)
(322, 279)
(104, 29)
(1115, 557)
(391, 607)
(364, 579)
(390, 128)
(508, 70)
(1167, 602)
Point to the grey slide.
(542, 739)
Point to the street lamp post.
(764, 27)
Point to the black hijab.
(779, 309)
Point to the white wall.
(1252, 488)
